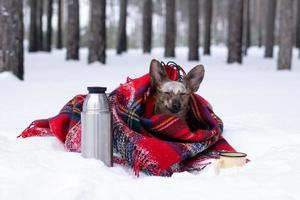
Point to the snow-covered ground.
(259, 106)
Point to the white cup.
(230, 159)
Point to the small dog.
(172, 97)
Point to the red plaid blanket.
(155, 144)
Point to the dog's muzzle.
(176, 105)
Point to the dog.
(172, 97)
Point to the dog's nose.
(175, 106)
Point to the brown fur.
(172, 97)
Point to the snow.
(258, 104)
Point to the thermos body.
(96, 135)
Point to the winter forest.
(99, 25)
(243, 54)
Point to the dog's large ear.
(158, 73)
(194, 78)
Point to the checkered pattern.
(154, 144)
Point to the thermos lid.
(97, 90)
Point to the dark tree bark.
(73, 35)
(59, 36)
(4, 8)
(48, 39)
(247, 27)
(298, 26)
(207, 26)
(18, 30)
(11, 37)
(39, 19)
(285, 34)
(193, 39)
(270, 28)
(147, 26)
(122, 36)
(258, 14)
(1, 38)
(170, 33)
(33, 46)
(235, 31)
(97, 40)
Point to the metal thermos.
(96, 134)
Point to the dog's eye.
(167, 93)
(183, 94)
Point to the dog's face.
(172, 97)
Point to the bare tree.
(207, 26)
(122, 36)
(285, 34)
(270, 28)
(235, 31)
(33, 47)
(97, 39)
(11, 37)
(1, 38)
(298, 26)
(246, 27)
(147, 25)
(73, 35)
(170, 32)
(39, 19)
(59, 36)
(193, 39)
(48, 39)
(258, 17)
(4, 8)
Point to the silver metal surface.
(96, 135)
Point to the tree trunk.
(39, 19)
(18, 30)
(270, 27)
(193, 39)
(207, 26)
(247, 26)
(1, 38)
(59, 37)
(298, 26)
(258, 17)
(147, 26)
(11, 37)
(97, 40)
(285, 34)
(235, 31)
(3, 33)
(73, 36)
(33, 46)
(48, 39)
(122, 36)
(170, 33)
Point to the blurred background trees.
(285, 34)
(270, 27)
(235, 31)
(208, 7)
(193, 36)
(11, 37)
(73, 32)
(97, 32)
(147, 24)
(170, 28)
(122, 33)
